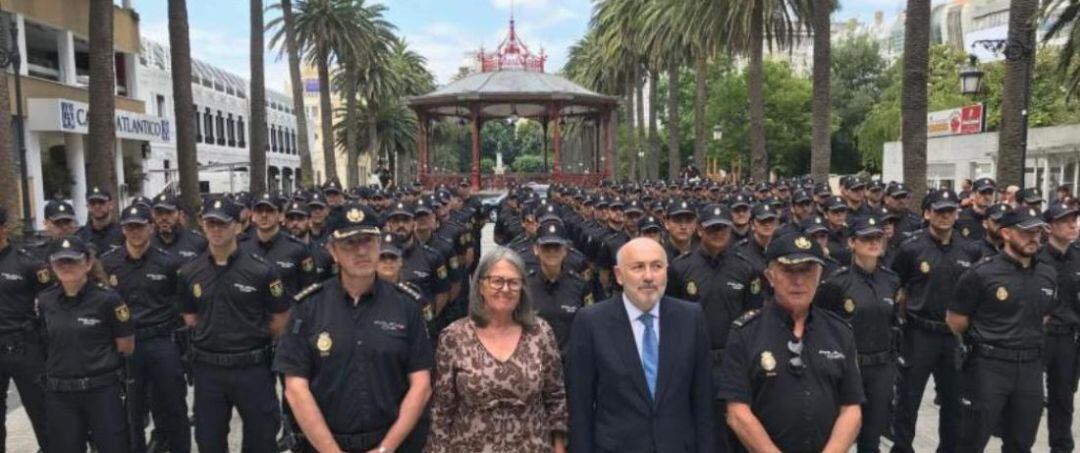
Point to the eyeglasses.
(796, 362)
(512, 284)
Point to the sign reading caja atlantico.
(65, 115)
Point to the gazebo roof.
(502, 93)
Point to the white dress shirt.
(635, 324)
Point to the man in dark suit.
(639, 373)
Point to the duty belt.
(81, 384)
(234, 359)
(875, 358)
(1008, 354)
(154, 331)
(1060, 329)
(932, 326)
(360, 442)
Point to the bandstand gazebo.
(512, 84)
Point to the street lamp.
(10, 56)
(717, 133)
(971, 77)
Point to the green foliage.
(858, 82)
(528, 163)
(487, 165)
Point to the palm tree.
(183, 105)
(820, 150)
(101, 131)
(617, 30)
(257, 101)
(1012, 139)
(297, 88)
(9, 159)
(913, 96)
(1066, 23)
(668, 47)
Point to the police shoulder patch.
(308, 265)
(277, 289)
(441, 272)
(122, 313)
(43, 276)
(409, 290)
(746, 318)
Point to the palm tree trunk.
(821, 151)
(913, 100)
(639, 104)
(101, 131)
(257, 103)
(701, 76)
(631, 142)
(373, 145)
(183, 105)
(654, 140)
(674, 159)
(759, 157)
(307, 176)
(352, 174)
(1012, 141)
(9, 158)
(325, 111)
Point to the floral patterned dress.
(485, 405)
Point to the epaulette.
(746, 318)
(409, 290)
(910, 237)
(109, 252)
(304, 293)
(982, 261)
(742, 242)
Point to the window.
(220, 128)
(232, 130)
(293, 141)
(289, 142)
(198, 127)
(160, 105)
(267, 141)
(208, 123)
(241, 138)
(273, 139)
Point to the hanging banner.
(959, 121)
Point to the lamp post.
(1014, 51)
(10, 56)
(971, 77)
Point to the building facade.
(310, 78)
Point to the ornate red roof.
(512, 54)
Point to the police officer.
(764, 221)
(680, 222)
(235, 304)
(721, 280)
(169, 232)
(740, 216)
(319, 211)
(557, 291)
(1062, 344)
(297, 221)
(22, 358)
(145, 278)
(991, 242)
(291, 256)
(88, 330)
(970, 222)
(426, 233)
(789, 375)
(424, 266)
(864, 294)
(815, 228)
(999, 306)
(59, 223)
(649, 226)
(356, 356)
(389, 269)
(837, 214)
(100, 229)
(897, 200)
(929, 264)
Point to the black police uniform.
(183, 243)
(22, 357)
(82, 369)
(796, 396)
(425, 267)
(1061, 354)
(103, 239)
(1002, 381)
(867, 300)
(969, 223)
(558, 300)
(290, 255)
(233, 304)
(928, 271)
(357, 356)
(148, 284)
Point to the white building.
(222, 112)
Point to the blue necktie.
(649, 352)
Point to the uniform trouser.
(997, 391)
(156, 372)
(878, 382)
(98, 413)
(24, 363)
(924, 353)
(1062, 359)
(250, 389)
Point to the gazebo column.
(555, 137)
(609, 143)
(474, 127)
(422, 147)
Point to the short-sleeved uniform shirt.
(185, 244)
(867, 300)
(1067, 264)
(356, 356)
(558, 301)
(797, 408)
(291, 257)
(969, 224)
(22, 277)
(233, 303)
(81, 331)
(104, 239)
(1006, 301)
(424, 267)
(147, 284)
(928, 271)
(726, 286)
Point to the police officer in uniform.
(22, 358)
(356, 356)
(59, 223)
(929, 264)
(999, 306)
(297, 223)
(319, 210)
(170, 234)
(789, 374)
(864, 294)
(897, 199)
(88, 330)
(680, 222)
(145, 278)
(764, 220)
(100, 229)
(294, 263)
(991, 243)
(557, 291)
(424, 266)
(235, 304)
(970, 222)
(389, 269)
(740, 216)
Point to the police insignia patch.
(965, 232)
(691, 288)
(588, 299)
(1002, 293)
(196, 290)
(324, 343)
(441, 272)
(802, 243)
(924, 267)
(308, 265)
(454, 262)
(276, 288)
(768, 362)
(122, 313)
(849, 305)
(755, 286)
(43, 276)
(113, 281)
(355, 215)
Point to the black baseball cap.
(855, 182)
(358, 219)
(867, 225)
(267, 199)
(1030, 195)
(426, 204)
(837, 204)
(896, 189)
(1058, 211)
(552, 233)
(995, 211)
(677, 207)
(1023, 218)
(97, 193)
(801, 196)
(59, 210)
(332, 186)
(813, 225)
(982, 184)
(297, 208)
(166, 201)
(400, 208)
(740, 199)
(223, 209)
(649, 223)
(390, 244)
(633, 206)
(317, 199)
(941, 199)
(135, 214)
(68, 248)
(714, 214)
(141, 200)
(762, 211)
(794, 248)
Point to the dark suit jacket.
(610, 407)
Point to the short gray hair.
(524, 313)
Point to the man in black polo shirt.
(789, 373)
(100, 229)
(170, 234)
(356, 356)
(291, 256)
(424, 266)
(145, 277)
(235, 304)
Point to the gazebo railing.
(502, 182)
